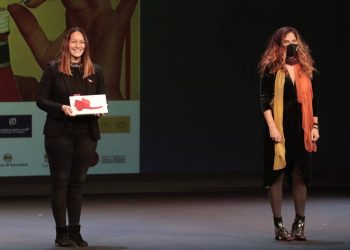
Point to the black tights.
(299, 192)
(69, 157)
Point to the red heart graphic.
(84, 104)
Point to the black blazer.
(54, 91)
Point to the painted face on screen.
(76, 46)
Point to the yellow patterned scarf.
(280, 150)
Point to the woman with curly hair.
(289, 104)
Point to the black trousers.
(70, 156)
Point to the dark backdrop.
(199, 81)
(201, 124)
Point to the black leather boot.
(298, 228)
(75, 236)
(281, 233)
(62, 238)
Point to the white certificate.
(88, 104)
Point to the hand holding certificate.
(88, 104)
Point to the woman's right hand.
(275, 134)
(67, 110)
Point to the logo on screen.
(7, 157)
(12, 121)
(15, 126)
(113, 159)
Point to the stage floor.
(179, 221)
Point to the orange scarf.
(305, 95)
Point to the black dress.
(296, 154)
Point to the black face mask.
(292, 50)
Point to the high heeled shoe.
(281, 233)
(298, 228)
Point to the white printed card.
(88, 104)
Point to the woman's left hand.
(315, 135)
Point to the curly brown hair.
(273, 58)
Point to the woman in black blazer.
(70, 141)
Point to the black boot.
(62, 238)
(298, 228)
(281, 233)
(74, 234)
